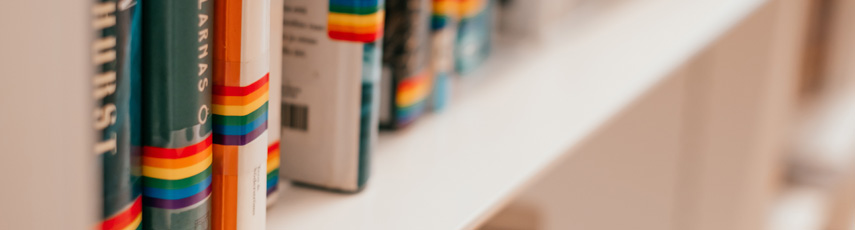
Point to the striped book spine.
(274, 124)
(444, 28)
(355, 20)
(343, 91)
(412, 94)
(177, 153)
(406, 48)
(117, 95)
(241, 94)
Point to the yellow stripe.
(175, 174)
(241, 110)
(413, 96)
(445, 7)
(272, 164)
(135, 224)
(355, 20)
(471, 8)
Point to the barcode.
(295, 116)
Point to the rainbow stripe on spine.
(272, 168)
(177, 178)
(444, 12)
(355, 20)
(471, 8)
(240, 117)
(411, 95)
(240, 113)
(128, 219)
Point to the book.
(117, 93)
(177, 119)
(330, 71)
(275, 105)
(444, 33)
(407, 80)
(240, 106)
(474, 36)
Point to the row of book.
(200, 106)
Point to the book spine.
(275, 119)
(362, 21)
(369, 117)
(177, 134)
(355, 20)
(240, 107)
(331, 64)
(473, 44)
(444, 29)
(406, 62)
(117, 95)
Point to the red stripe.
(413, 82)
(241, 91)
(274, 146)
(354, 37)
(124, 218)
(149, 151)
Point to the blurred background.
(755, 129)
(765, 137)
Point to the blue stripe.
(240, 129)
(355, 3)
(272, 181)
(175, 194)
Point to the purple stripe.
(272, 189)
(177, 204)
(240, 139)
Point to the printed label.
(322, 96)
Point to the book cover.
(240, 107)
(117, 92)
(330, 71)
(177, 119)
(474, 41)
(444, 32)
(275, 105)
(407, 79)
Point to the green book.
(116, 88)
(177, 120)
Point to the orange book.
(240, 108)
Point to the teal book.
(177, 114)
(474, 35)
(117, 92)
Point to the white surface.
(454, 169)
(799, 208)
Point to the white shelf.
(532, 106)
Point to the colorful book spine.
(444, 27)
(177, 134)
(474, 42)
(407, 77)
(117, 92)
(274, 124)
(331, 69)
(355, 20)
(241, 94)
